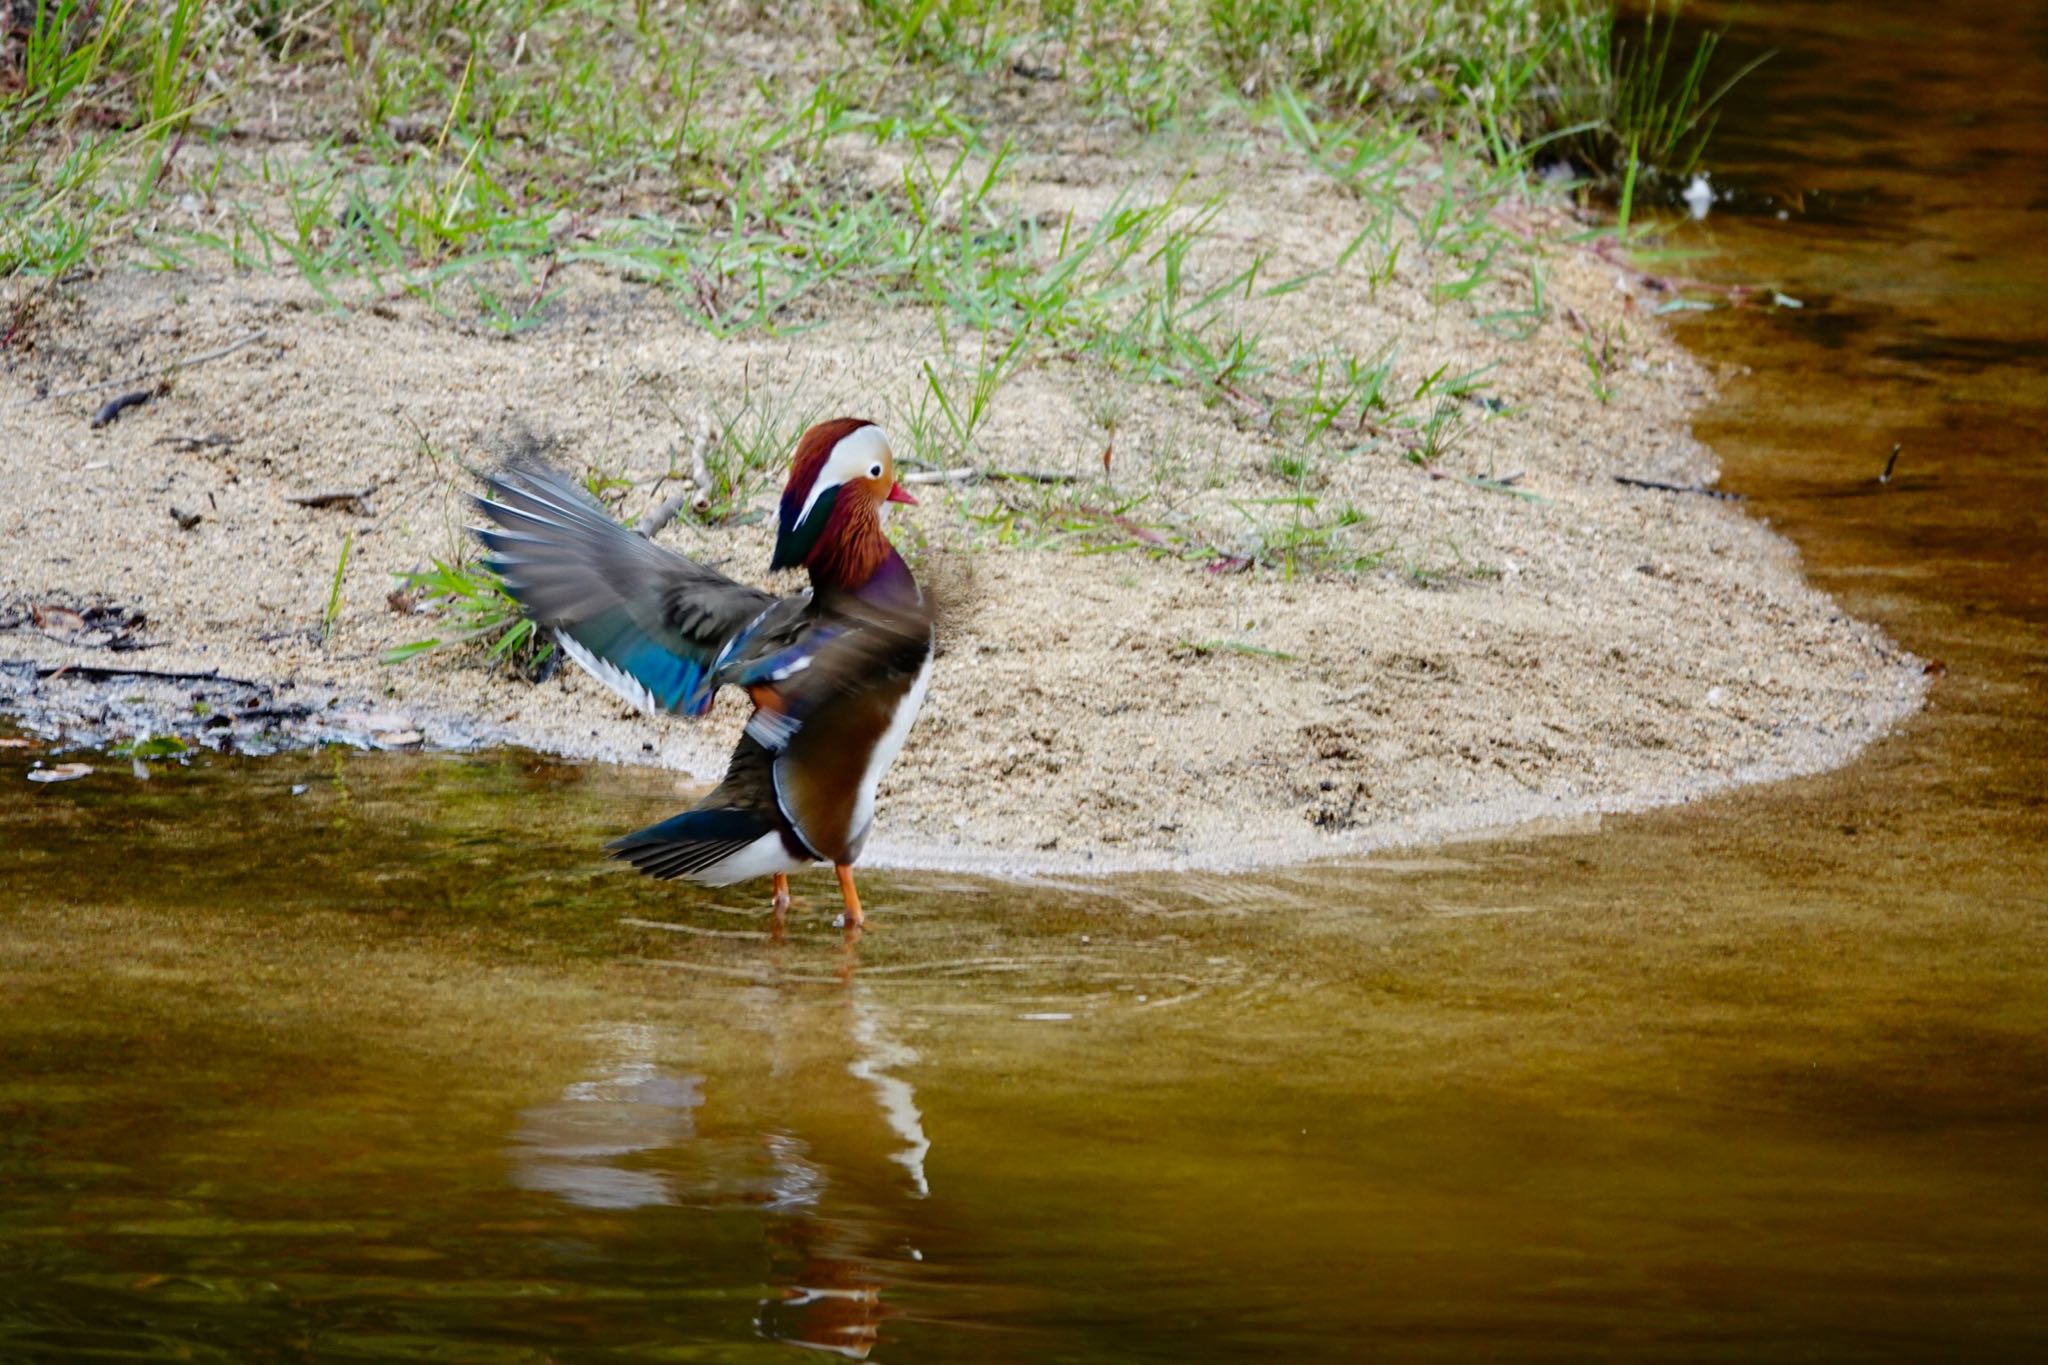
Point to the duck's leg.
(781, 900)
(852, 919)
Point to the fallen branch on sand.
(1656, 487)
(969, 474)
(185, 364)
(113, 408)
(102, 673)
(359, 499)
(696, 491)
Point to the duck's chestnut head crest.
(837, 461)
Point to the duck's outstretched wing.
(648, 623)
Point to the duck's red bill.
(897, 493)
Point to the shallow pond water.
(364, 1057)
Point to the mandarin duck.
(836, 673)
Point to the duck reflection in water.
(818, 1129)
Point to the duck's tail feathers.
(697, 845)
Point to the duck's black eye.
(874, 471)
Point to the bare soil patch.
(1516, 636)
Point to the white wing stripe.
(610, 674)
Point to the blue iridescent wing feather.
(649, 623)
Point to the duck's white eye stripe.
(855, 452)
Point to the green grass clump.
(333, 611)
(483, 615)
(481, 147)
(476, 156)
(1642, 102)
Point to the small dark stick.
(187, 362)
(358, 501)
(1886, 477)
(1657, 486)
(91, 671)
(112, 409)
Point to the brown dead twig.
(101, 673)
(185, 363)
(696, 490)
(1613, 253)
(969, 474)
(88, 626)
(1657, 486)
(357, 500)
(188, 444)
(1135, 529)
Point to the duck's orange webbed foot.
(780, 903)
(852, 920)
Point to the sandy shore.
(1558, 646)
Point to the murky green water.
(387, 1069)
